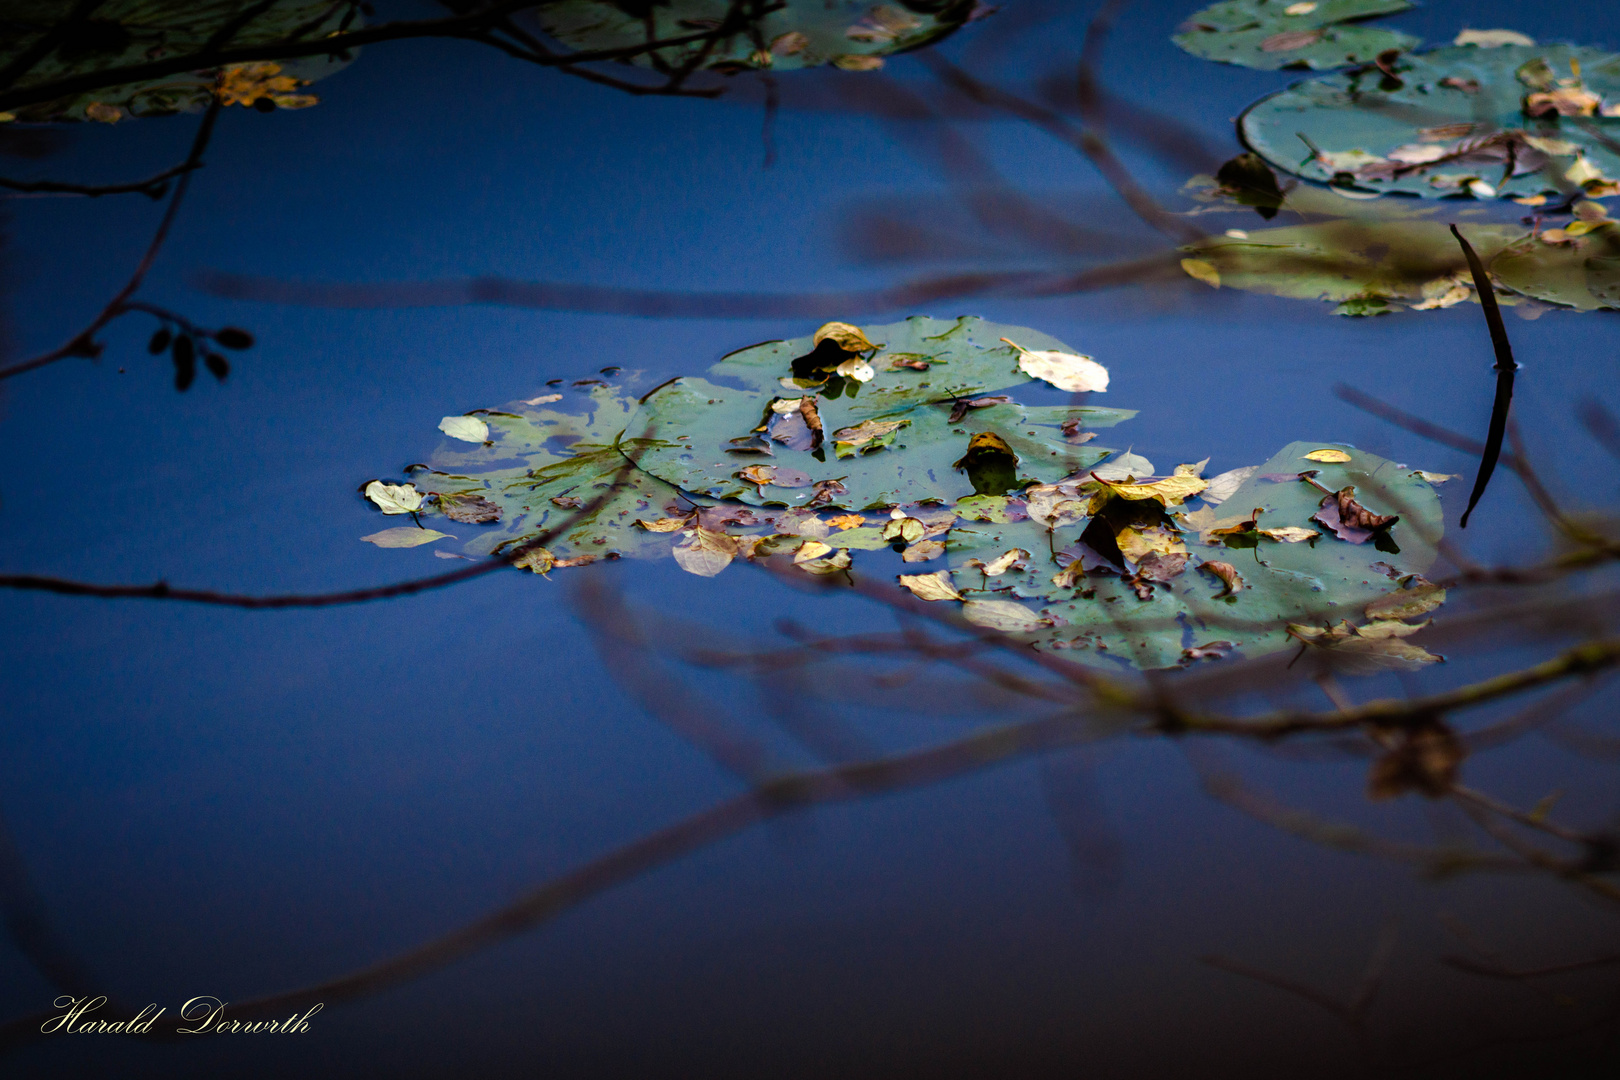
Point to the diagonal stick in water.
(1505, 369)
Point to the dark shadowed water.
(232, 803)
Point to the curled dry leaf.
(866, 436)
(846, 337)
(466, 428)
(1066, 371)
(705, 552)
(1328, 453)
(404, 536)
(394, 498)
(568, 502)
(1228, 575)
(923, 551)
(931, 586)
(469, 509)
(831, 564)
(1349, 520)
(1006, 561)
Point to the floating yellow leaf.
(847, 521)
(846, 337)
(245, 84)
(662, 525)
(1005, 615)
(931, 586)
(106, 114)
(1006, 561)
(811, 549)
(1328, 454)
(857, 62)
(1136, 544)
(1199, 270)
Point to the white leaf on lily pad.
(1492, 39)
(394, 498)
(405, 536)
(1123, 467)
(705, 553)
(1066, 371)
(465, 428)
(1222, 486)
(857, 369)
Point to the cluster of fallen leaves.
(1134, 524)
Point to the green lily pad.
(701, 434)
(1366, 265)
(540, 454)
(1101, 618)
(1454, 121)
(1272, 34)
(1583, 273)
(853, 34)
(125, 32)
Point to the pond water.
(209, 801)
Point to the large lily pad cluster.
(1272, 34)
(1525, 121)
(893, 441)
(124, 32)
(852, 34)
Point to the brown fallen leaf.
(1349, 520)
(663, 525)
(935, 586)
(539, 560)
(568, 502)
(1162, 567)
(1360, 650)
(1423, 759)
(1007, 560)
(703, 552)
(1417, 597)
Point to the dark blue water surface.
(229, 803)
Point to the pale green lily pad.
(1582, 274)
(1314, 583)
(1464, 102)
(1264, 34)
(125, 32)
(1404, 262)
(966, 358)
(853, 34)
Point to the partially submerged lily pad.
(126, 32)
(1582, 272)
(850, 34)
(1365, 263)
(1272, 34)
(1514, 120)
(892, 439)
(1174, 590)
